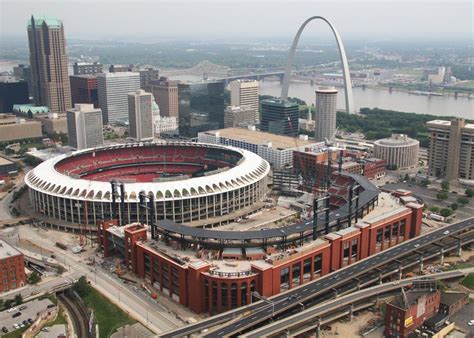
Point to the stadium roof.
(251, 168)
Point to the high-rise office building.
(326, 99)
(113, 89)
(166, 95)
(121, 68)
(84, 89)
(84, 68)
(140, 115)
(245, 93)
(84, 123)
(49, 64)
(279, 117)
(12, 93)
(23, 72)
(147, 75)
(201, 107)
(451, 152)
(239, 116)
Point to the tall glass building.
(279, 117)
(201, 107)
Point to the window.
(214, 297)
(379, 236)
(206, 295)
(224, 296)
(318, 264)
(296, 273)
(402, 227)
(355, 248)
(347, 249)
(233, 295)
(387, 233)
(284, 279)
(307, 270)
(243, 293)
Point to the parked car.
(23, 307)
(17, 314)
(4, 329)
(11, 309)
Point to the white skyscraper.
(140, 115)
(245, 93)
(326, 99)
(84, 124)
(113, 89)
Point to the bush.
(454, 206)
(424, 183)
(463, 200)
(469, 192)
(18, 299)
(82, 287)
(446, 212)
(445, 185)
(34, 278)
(434, 208)
(442, 196)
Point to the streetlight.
(265, 299)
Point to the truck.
(61, 245)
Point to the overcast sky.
(244, 18)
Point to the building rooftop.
(444, 123)
(397, 140)
(25, 108)
(259, 137)
(326, 90)
(279, 103)
(6, 250)
(450, 298)
(5, 161)
(118, 74)
(50, 22)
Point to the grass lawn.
(16, 333)
(108, 315)
(469, 281)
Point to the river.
(381, 98)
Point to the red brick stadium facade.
(196, 286)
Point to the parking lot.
(429, 197)
(463, 317)
(29, 313)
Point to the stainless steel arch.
(342, 55)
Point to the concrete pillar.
(441, 259)
(421, 263)
(400, 272)
(351, 312)
(459, 248)
(318, 327)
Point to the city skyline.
(353, 19)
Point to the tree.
(434, 208)
(424, 183)
(82, 287)
(469, 192)
(18, 299)
(445, 185)
(454, 206)
(407, 177)
(463, 200)
(442, 196)
(446, 212)
(34, 278)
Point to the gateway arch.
(342, 55)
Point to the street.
(141, 307)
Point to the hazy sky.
(244, 18)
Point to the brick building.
(407, 313)
(213, 281)
(12, 268)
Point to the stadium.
(193, 183)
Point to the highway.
(339, 303)
(261, 311)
